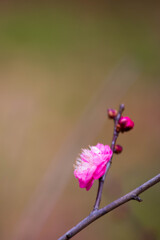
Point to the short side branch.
(133, 195)
(102, 179)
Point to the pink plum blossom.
(91, 164)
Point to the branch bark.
(133, 195)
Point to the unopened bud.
(112, 113)
(118, 149)
(118, 128)
(126, 124)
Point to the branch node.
(137, 198)
(95, 209)
(68, 235)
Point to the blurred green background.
(54, 58)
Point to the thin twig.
(102, 179)
(133, 195)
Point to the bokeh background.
(62, 64)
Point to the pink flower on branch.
(91, 164)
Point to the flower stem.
(102, 179)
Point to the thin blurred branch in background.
(87, 128)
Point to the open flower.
(91, 164)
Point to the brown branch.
(133, 195)
(102, 179)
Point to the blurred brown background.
(62, 64)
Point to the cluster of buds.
(124, 124)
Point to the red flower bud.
(118, 149)
(112, 113)
(126, 124)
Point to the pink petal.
(89, 185)
(99, 172)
